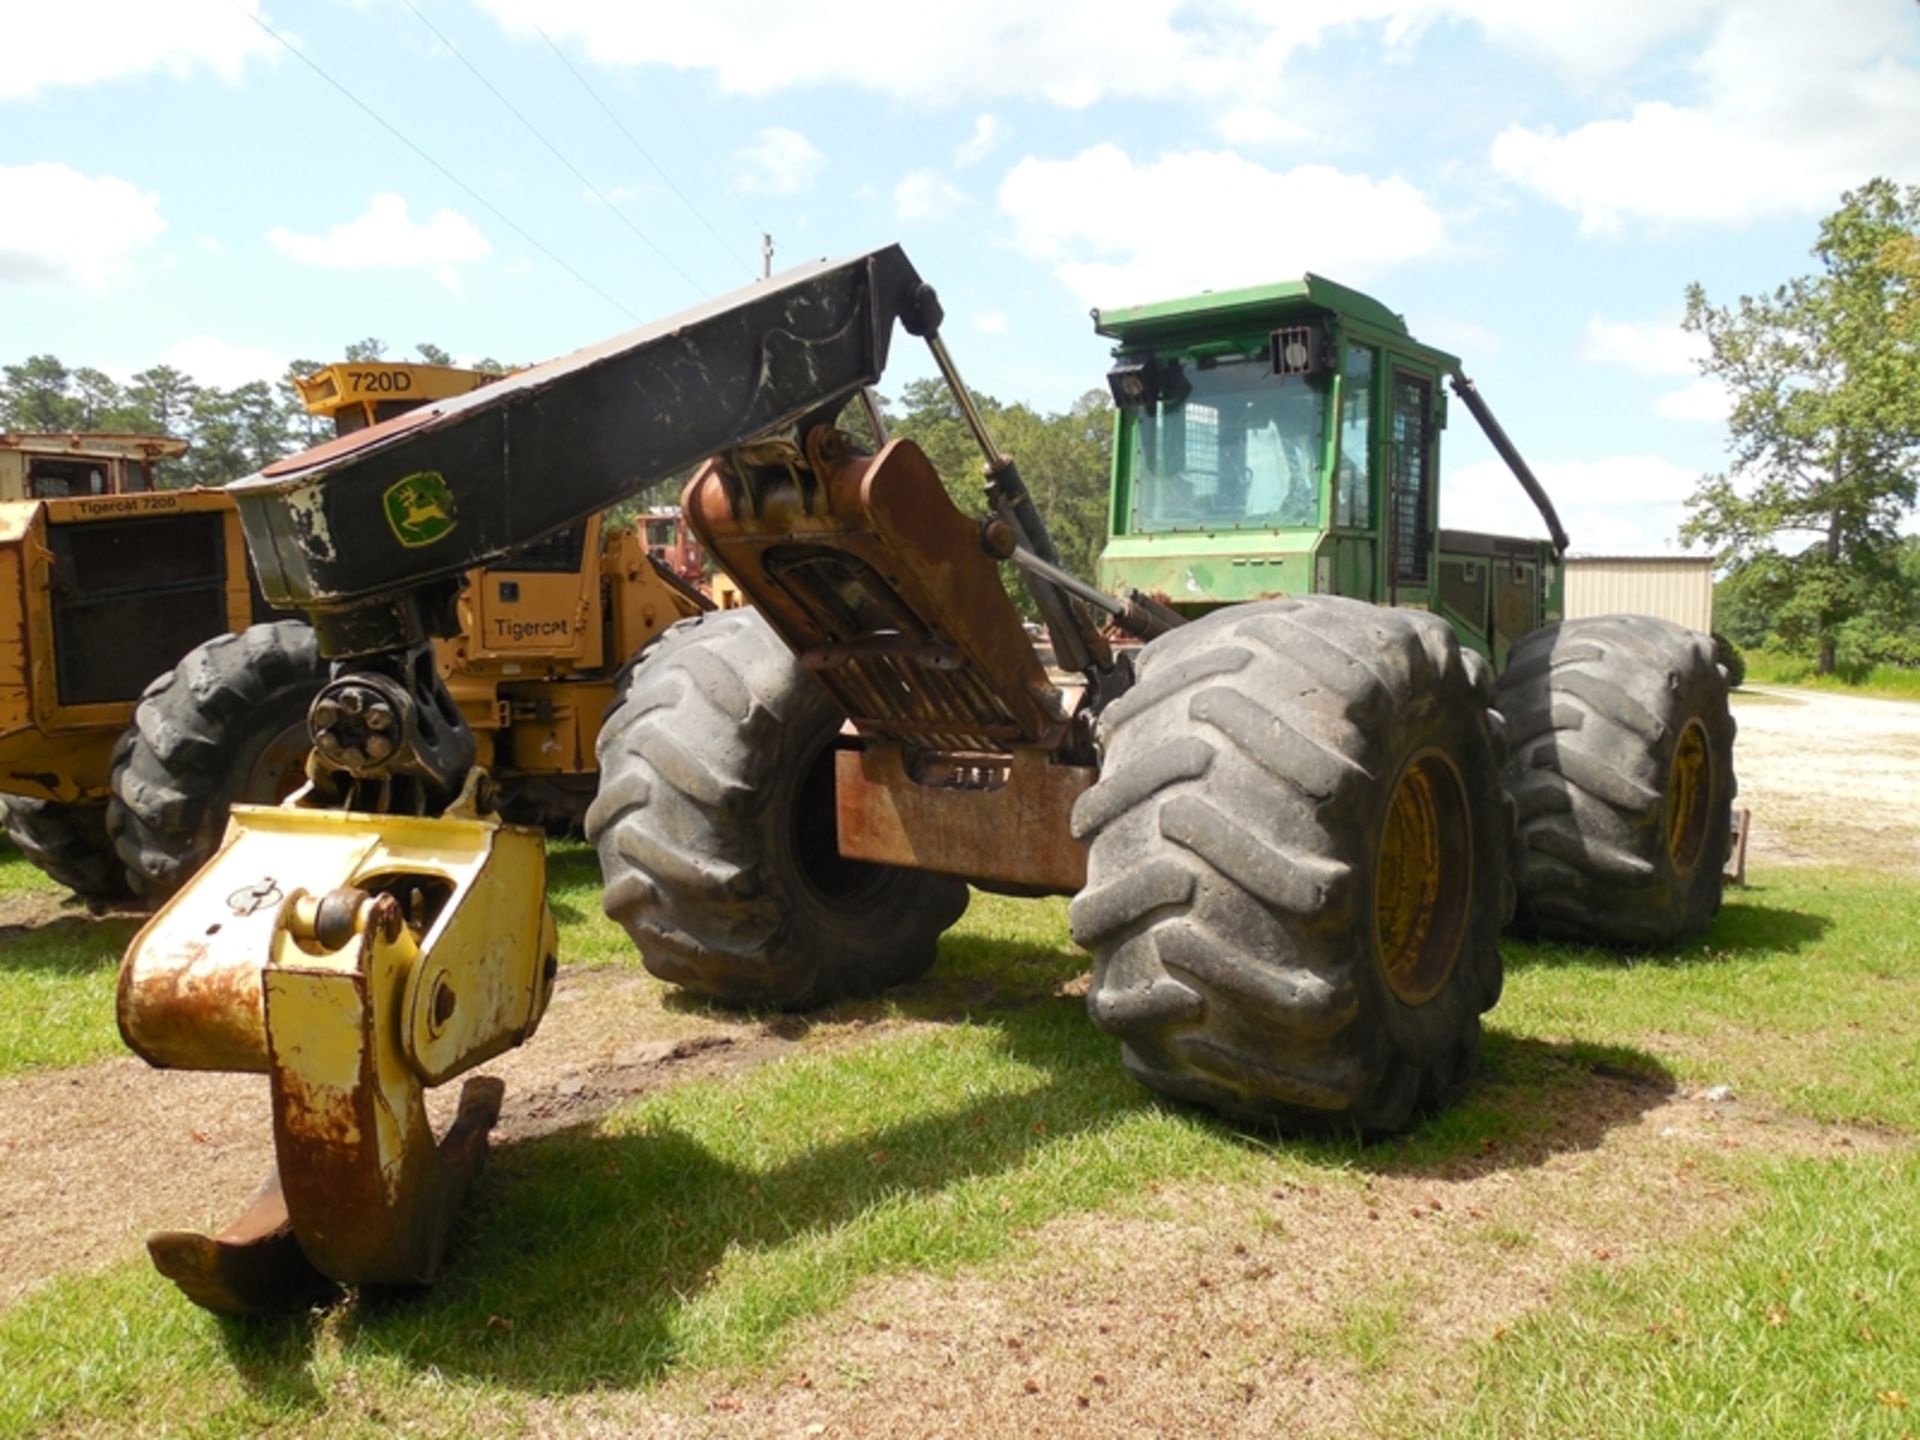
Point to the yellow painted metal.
(120, 462)
(48, 749)
(190, 982)
(1689, 796)
(1422, 878)
(357, 960)
(356, 393)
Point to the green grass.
(56, 978)
(1766, 667)
(1806, 991)
(1804, 1322)
(688, 1233)
(692, 1232)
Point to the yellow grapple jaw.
(357, 960)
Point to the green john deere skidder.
(1274, 770)
(1295, 819)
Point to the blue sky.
(1531, 182)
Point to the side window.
(1412, 483)
(1353, 485)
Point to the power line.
(646, 156)
(474, 194)
(578, 174)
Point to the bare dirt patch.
(1234, 1312)
(29, 909)
(92, 1159)
(1831, 779)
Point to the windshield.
(1240, 451)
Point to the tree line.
(235, 432)
(232, 432)
(1824, 375)
(1807, 521)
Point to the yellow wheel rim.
(1423, 878)
(1689, 789)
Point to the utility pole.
(766, 256)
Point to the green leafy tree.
(261, 422)
(1065, 460)
(432, 354)
(219, 434)
(368, 349)
(306, 428)
(1825, 429)
(163, 399)
(37, 394)
(99, 399)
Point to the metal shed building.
(1675, 587)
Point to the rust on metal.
(254, 1266)
(997, 818)
(342, 446)
(422, 948)
(876, 580)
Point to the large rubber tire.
(70, 843)
(1264, 942)
(226, 726)
(715, 827)
(1622, 767)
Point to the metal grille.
(1412, 533)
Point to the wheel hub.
(1423, 878)
(1689, 790)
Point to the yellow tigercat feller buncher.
(1282, 809)
(146, 686)
(542, 636)
(105, 582)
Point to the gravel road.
(1831, 779)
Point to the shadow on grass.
(1746, 928)
(272, 1357)
(67, 945)
(585, 1253)
(573, 883)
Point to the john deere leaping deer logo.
(419, 508)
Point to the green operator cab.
(1285, 440)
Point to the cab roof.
(1249, 308)
(93, 444)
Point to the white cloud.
(211, 361)
(1458, 336)
(1283, 223)
(989, 132)
(1794, 104)
(1704, 399)
(783, 162)
(1660, 349)
(85, 42)
(1075, 53)
(924, 195)
(62, 226)
(1258, 125)
(386, 236)
(1586, 38)
(1623, 504)
(990, 322)
(1647, 347)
